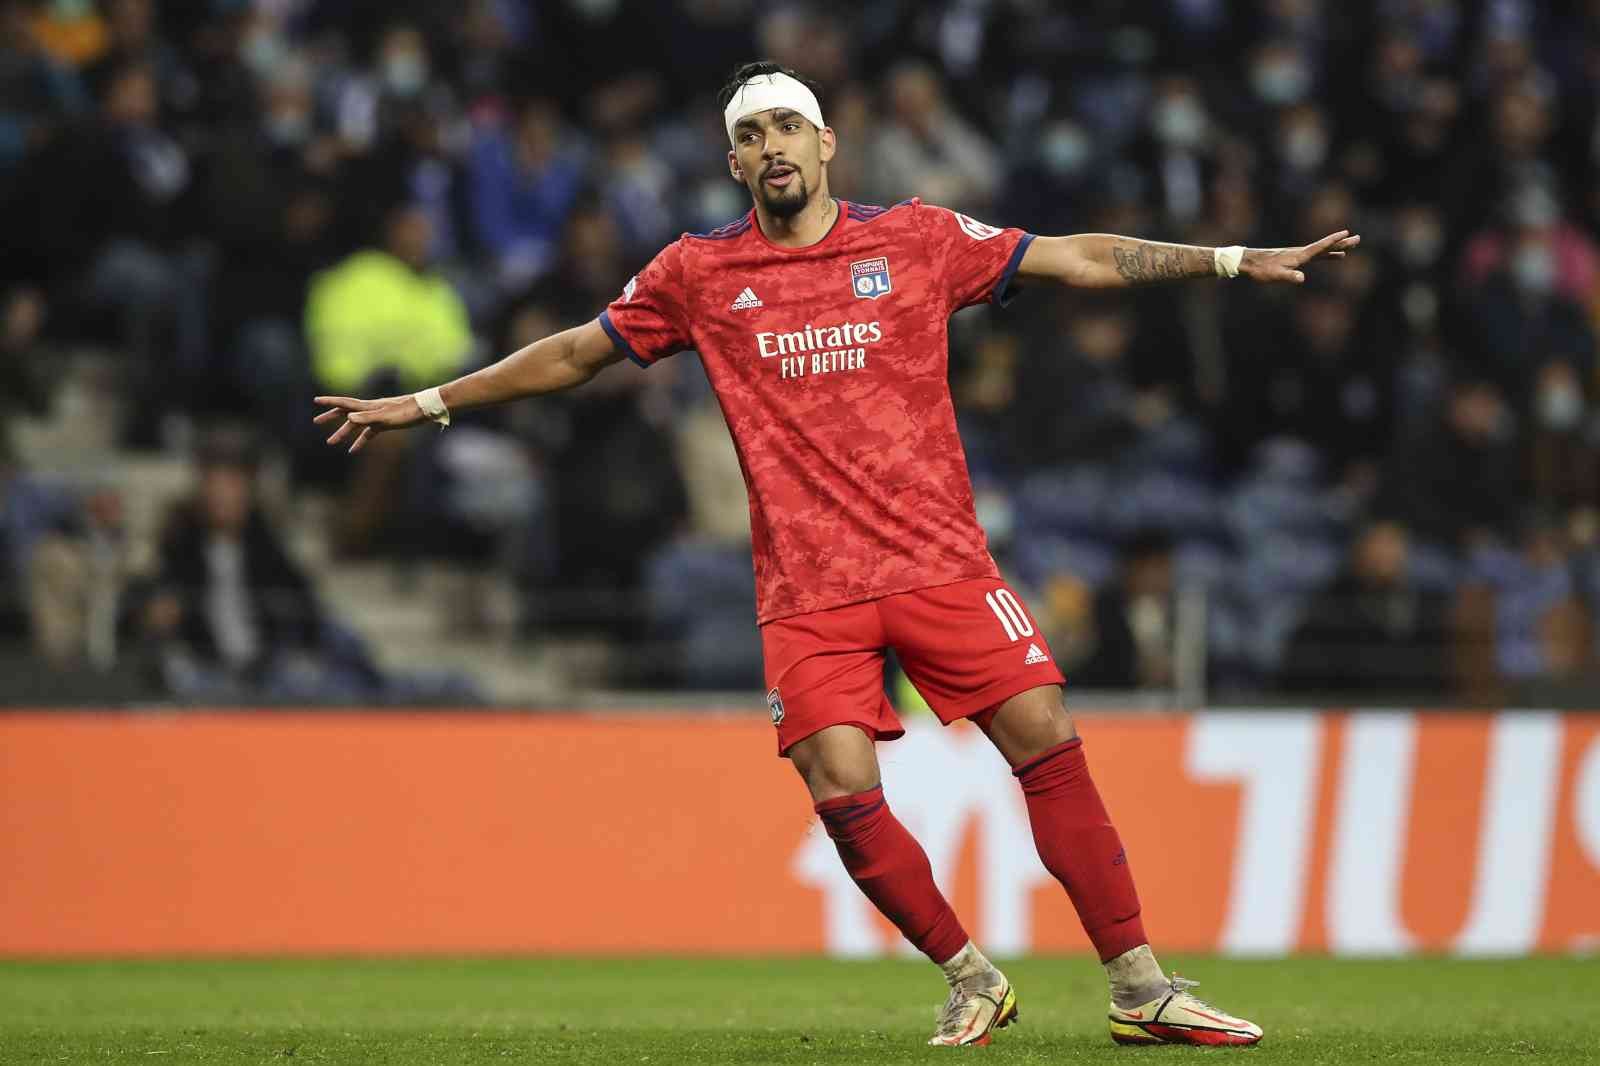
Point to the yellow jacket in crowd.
(373, 312)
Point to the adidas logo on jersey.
(746, 300)
(1035, 656)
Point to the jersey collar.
(838, 224)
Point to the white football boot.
(977, 1007)
(1176, 1017)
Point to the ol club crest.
(869, 278)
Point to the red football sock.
(1080, 846)
(893, 871)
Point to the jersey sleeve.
(650, 320)
(975, 262)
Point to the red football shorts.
(967, 646)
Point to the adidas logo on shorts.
(1035, 656)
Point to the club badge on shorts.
(775, 705)
(869, 278)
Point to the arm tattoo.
(1144, 262)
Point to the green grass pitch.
(677, 1012)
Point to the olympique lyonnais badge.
(775, 705)
(869, 278)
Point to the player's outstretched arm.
(1106, 261)
(557, 362)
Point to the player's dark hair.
(755, 70)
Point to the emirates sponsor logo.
(816, 350)
(818, 338)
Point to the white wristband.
(1227, 260)
(432, 405)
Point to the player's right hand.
(364, 418)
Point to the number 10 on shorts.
(1012, 617)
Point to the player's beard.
(788, 201)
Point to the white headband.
(767, 91)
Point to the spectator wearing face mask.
(289, 131)
(248, 181)
(1280, 78)
(1520, 316)
(1298, 162)
(1049, 191)
(1561, 449)
(1574, 266)
(1521, 123)
(370, 103)
(1176, 152)
(1419, 242)
(1281, 74)
(1410, 296)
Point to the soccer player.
(822, 325)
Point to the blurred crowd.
(1384, 482)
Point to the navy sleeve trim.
(620, 341)
(1003, 292)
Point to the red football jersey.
(830, 363)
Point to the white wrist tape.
(1227, 260)
(432, 405)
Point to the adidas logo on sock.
(1035, 655)
(746, 300)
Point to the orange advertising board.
(1268, 832)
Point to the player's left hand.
(1283, 264)
(365, 418)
